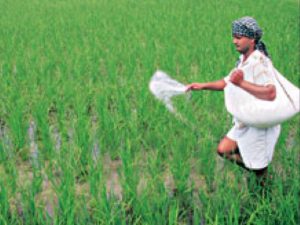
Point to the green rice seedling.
(105, 206)
(17, 125)
(41, 116)
(181, 172)
(173, 213)
(62, 63)
(129, 179)
(152, 197)
(66, 195)
(82, 136)
(5, 212)
(152, 202)
(10, 170)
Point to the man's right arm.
(216, 86)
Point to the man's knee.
(226, 146)
(222, 149)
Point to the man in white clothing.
(250, 147)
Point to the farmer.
(249, 147)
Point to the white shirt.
(256, 145)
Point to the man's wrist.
(241, 84)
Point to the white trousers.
(256, 145)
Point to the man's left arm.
(267, 92)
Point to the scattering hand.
(194, 86)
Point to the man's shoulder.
(257, 57)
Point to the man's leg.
(228, 148)
(261, 176)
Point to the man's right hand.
(195, 86)
(215, 85)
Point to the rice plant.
(83, 141)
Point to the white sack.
(164, 88)
(261, 113)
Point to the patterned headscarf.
(248, 27)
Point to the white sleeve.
(227, 78)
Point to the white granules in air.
(164, 88)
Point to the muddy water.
(291, 139)
(33, 149)
(113, 184)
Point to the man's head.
(246, 27)
(246, 34)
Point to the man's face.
(243, 44)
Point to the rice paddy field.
(82, 139)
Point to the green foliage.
(108, 151)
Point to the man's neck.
(247, 54)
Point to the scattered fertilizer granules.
(164, 88)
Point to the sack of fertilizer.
(164, 88)
(261, 113)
